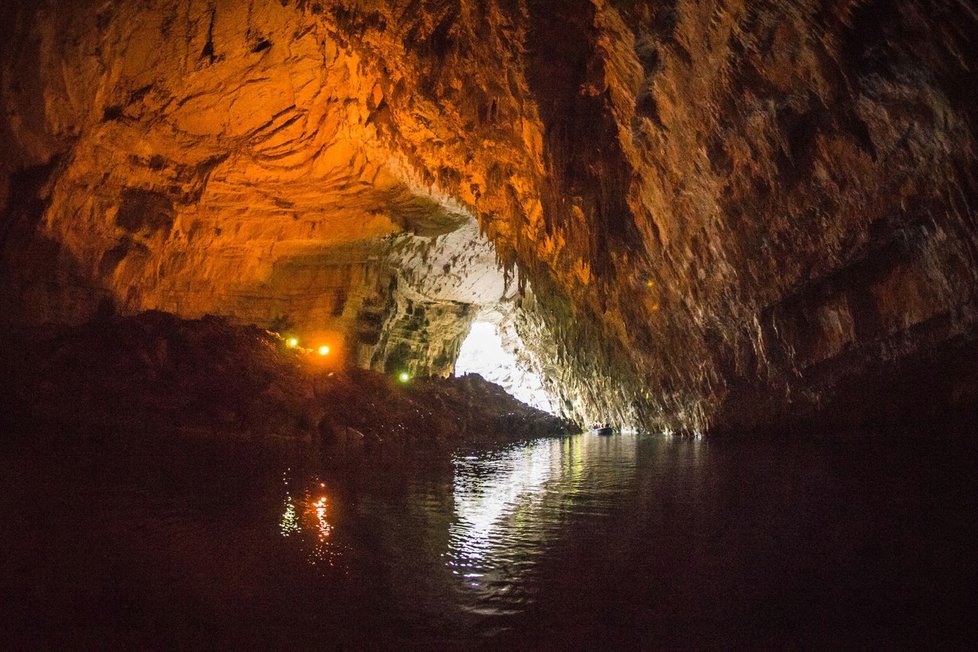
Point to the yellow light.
(324, 350)
(292, 342)
(290, 520)
(404, 377)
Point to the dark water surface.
(576, 543)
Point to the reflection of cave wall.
(728, 210)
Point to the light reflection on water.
(473, 539)
(309, 516)
(507, 505)
(582, 542)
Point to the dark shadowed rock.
(156, 373)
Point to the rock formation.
(154, 374)
(722, 214)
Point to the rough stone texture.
(157, 374)
(727, 210)
(222, 159)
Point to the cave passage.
(303, 305)
(727, 216)
(482, 352)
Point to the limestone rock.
(723, 209)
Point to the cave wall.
(800, 178)
(223, 158)
(725, 210)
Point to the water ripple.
(510, 505)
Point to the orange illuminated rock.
(723, 209)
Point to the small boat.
(604, 431)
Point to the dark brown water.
(577, 543)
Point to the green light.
(404, 377)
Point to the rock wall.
(222, 158)
(727, 210)
(779, 200)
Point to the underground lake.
(576, 542)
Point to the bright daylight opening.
(483, 353)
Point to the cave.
(373, 236)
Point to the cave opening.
(304, 305)
(485, 352)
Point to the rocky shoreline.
(157, 373)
